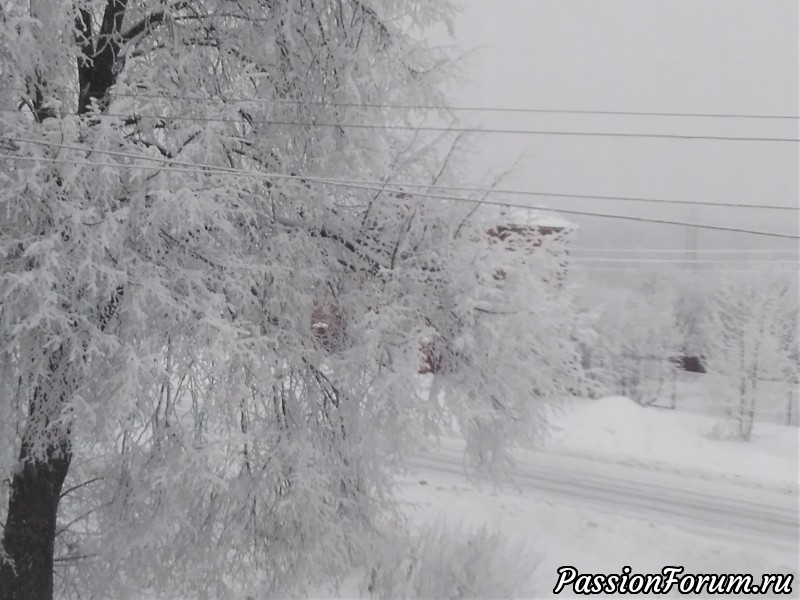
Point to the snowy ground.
(621, 485)
(687, 442)
(593, 541)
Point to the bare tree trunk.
(673, 404)
(741, 410)
(755, 370)
(750, 418)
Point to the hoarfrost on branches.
(638, 338)
(167, 401)
(751, 336)
(445, 562)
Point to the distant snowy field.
(681, 448)
(618, 430)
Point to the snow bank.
(617, 429)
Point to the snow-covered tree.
(515, 327)
(790, 343)
(637, 338)
(171, 421)
(690, 307)
(751, 337)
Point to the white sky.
(722, 56)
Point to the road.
(703, 506)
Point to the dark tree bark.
(30, 529)
(29, 537)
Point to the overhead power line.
(683, 251)
(487, 190)
(571, 196)
(690, 261)
(444, 107)
(496, 109)
(201, 169)
(685, 271)
(442, 129)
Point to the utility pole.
(691, 239)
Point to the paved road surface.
(704, 506)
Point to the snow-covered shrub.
(447, 562)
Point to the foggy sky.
(724, 56)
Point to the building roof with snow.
(512, 216)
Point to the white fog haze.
(724, 57)
(399, 299)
